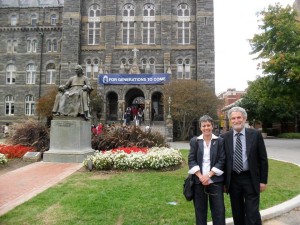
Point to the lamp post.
(169, 101)
(41, 62)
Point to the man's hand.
(262, 187)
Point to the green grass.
(289, 135)
(134, 198)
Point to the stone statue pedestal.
(70, 140)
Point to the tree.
(46, 102)
(96, 103)
(278, 45)
(262, 102)
(190, 99)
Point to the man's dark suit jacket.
(257, 157)
(217, 156)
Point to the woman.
(206, 161)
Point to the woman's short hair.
(206, 118)
(237, 109)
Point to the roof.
(30, 3)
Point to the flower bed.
(135, 158)
(15, 151)
(3, 159)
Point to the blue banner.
(116, 79)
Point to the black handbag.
(188, 188)
(188, 185)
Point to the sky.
(235, 23)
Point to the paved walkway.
(20, 185)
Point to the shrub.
(127, 136)
(290, 135)
(3, 159)
(30, 133)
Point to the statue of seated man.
(73, 97)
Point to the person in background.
(246, 168)
(140, 115)
(94, 129)
(207, 161)
(99, 129)
(6, 129)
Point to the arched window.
(34, 45)
(33, 19)
(10, 74)
(49, 46)
(54, 45)
(95, 68)
(15, 45)
(30, 74)
(53, 19)
(152, 65)
(179, 68)
(51, 74)
(128, 25)
(94, 25)
(183, 69)
(187, 69)
(12, 46)
(183, 26)
(149, 24)
(13, 20)
(29, 105)
(31, 45)
(9, 105)
(88, 68)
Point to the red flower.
(130, 150)
(15, 151)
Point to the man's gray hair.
(237, 109)
(206, 118)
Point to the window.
(50, 76)
(49, 46)
(183, 25)
(15, 45)
(52, 45)
(149, 24)
(31, 45)
(148, 65)
(183, 69)
(95, 68)
(152, 65)
(179, 69)
(128, 24)
(187, 69)
(12, 46)
(9, 105)
(29, 105)
(94, 25)
(53, 19)
(10, 74)
(13, 20)
(33, 20)
(30, 74)
(9, 46)
(88, 69)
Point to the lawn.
(134, 198)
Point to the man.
(246, 168)
(72, 99)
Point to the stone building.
(41, 41)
